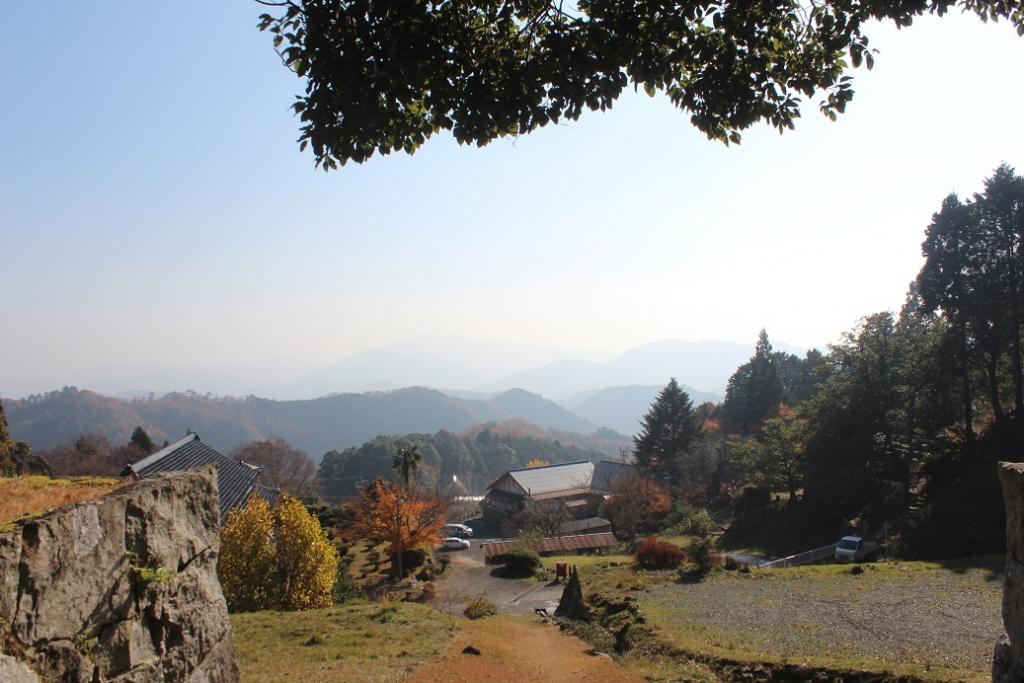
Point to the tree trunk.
(993, 385)
(965, 378)
(1018, 379)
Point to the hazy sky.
(155, 212)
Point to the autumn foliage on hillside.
(402, 518)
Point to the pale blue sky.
(155, 212)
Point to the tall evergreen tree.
(974, 274)
(140, 439)
(670, 434)
(942, 284)
(1001, 218)
(754, 389)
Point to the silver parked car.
(453, 543)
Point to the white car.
(461, 530)
(454, 543)
(855, 549)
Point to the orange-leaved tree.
(405, 519)
(635, 503)
(537, 462)
(276, 559)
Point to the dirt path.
(516, 649)
(468, 576)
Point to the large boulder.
(1008, 661)
(123, 588)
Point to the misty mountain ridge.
(313, 425)
(476, 369)
(622, 408)
(704, 366)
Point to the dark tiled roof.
(236, 481)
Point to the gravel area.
(927, 616)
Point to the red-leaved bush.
(655, 554)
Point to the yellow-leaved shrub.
(275, 558)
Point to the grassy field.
(22, 497)
(938, 622)
(586, 561)
(363, 643)
(358, 642)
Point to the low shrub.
(703, 557)
(689, 520)
(654, 554)
(480, 607)
(519, 560)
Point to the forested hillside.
(315, 426)
(898, 429)
(459, 463)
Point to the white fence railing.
(808, 557)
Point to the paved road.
(468, 576)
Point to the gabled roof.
(568, 478)
(236, 481)
(540, 480)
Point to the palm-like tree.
(406, 461)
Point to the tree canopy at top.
(385, 76)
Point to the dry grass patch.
(25, 497)
(358, 643)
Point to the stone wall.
(1008, 661)
(123, 588)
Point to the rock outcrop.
(1008, 661)
(572, 605)
(123, 588)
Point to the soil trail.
(516, 649)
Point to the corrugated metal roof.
(560, 544)
(555, 481)
(541, 480)
(236, 481)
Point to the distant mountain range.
(589, 394)
(315, 426)
(463, 368)
(621, 408)
(706, 365)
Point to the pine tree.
(755, 389)
(140, 439)
(669, 435)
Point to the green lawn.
(358, 642)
